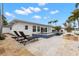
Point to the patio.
(45, 46)
(54, 46)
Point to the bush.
(69, 29)
(57, 28)
(2, 37)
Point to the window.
(42, 29)
(34, 28)
(26, 27)
(45, 29)
(10, 28)
(38, 29)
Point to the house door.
(42, 29)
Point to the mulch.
(71, 37)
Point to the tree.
(53, 21)
(67, 25)
(49, 22)
(57, 28)
(72, 19)
(2, 21)
(76, 15)
(76, 5)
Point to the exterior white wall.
(6, 30)
(49, 29)
(21, 27)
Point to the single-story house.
(28, 28)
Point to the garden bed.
(70, 37)
(10, 47)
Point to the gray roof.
(16, 20)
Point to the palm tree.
(55, 21)
(76, 5)
(49, 22)
(72, 19)
(76, 15)
(2, 21)
(65, 24)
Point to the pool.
(44, 35)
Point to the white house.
(28, 28)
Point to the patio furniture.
(29, 38)
(16, 35)
(23, 42)
(19, 38)
(22, 38)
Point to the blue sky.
(38, 12)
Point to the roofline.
(18, 20)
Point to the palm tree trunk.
(1, 21)
(1, 28)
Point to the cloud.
(41, 4)
(20, 12)
(23, 11)
(36, 9)
(9, 14)
(46, 17)
(37, 17)
(26, 11)
(54, 12)
(46, 9)
(31, 8)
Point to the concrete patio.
(45, 46)
(54, 46)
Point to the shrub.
(57, 28)
(2, 37)
(68, 29)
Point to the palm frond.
(76, 5)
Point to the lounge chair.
(16, 34)
(29, 38)
(19, 38)
(23, 42)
